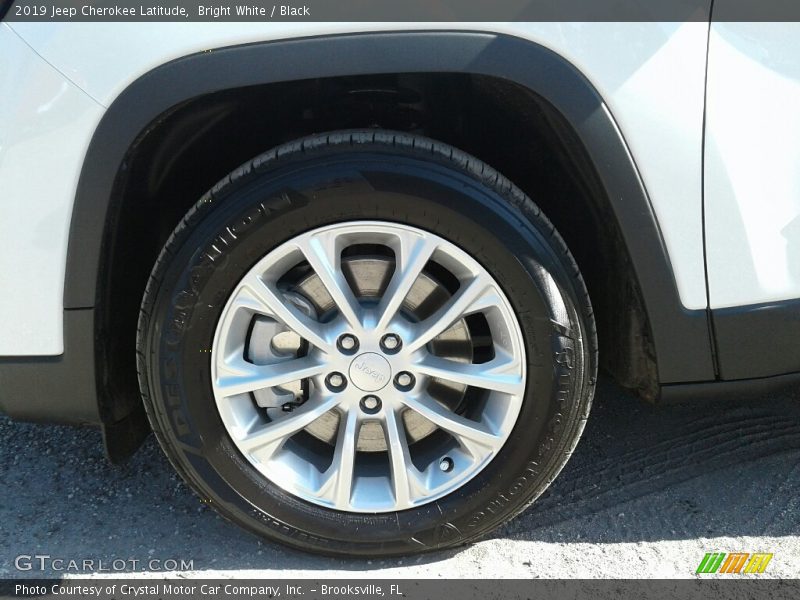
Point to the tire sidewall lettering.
(228, 241)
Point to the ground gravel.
(648, 491)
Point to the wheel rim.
(368, 367)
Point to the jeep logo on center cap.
(370, 372)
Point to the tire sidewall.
(242, 222)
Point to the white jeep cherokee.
(359, 278)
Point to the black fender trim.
(758, 340)
(63, 389)
(758, 348)
(60, 389)
(730, 391)
(681, 337)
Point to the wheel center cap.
(370, 372)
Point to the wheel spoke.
(472, 297)
(337, 485)
(502, 376)
(462, 428)
(272, 435)
(323, 254)
(400, 458)
(247, 377)
(299, 313)
(412, 258)
(275, 305)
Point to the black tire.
(333, 178)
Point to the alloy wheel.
(368, 367)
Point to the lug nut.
(347, 343)
(370, 404)
(336, 382)
(404, 381)
(446, 464)
(391, 343)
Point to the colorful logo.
(735, 562)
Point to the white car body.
(708, 113)
(652, 76)
(661, 118)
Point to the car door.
(752, 194)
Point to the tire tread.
(391, 141)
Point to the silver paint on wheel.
(449, 383)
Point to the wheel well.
(186, 150)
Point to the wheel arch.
(677, 338)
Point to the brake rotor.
(368, 276)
